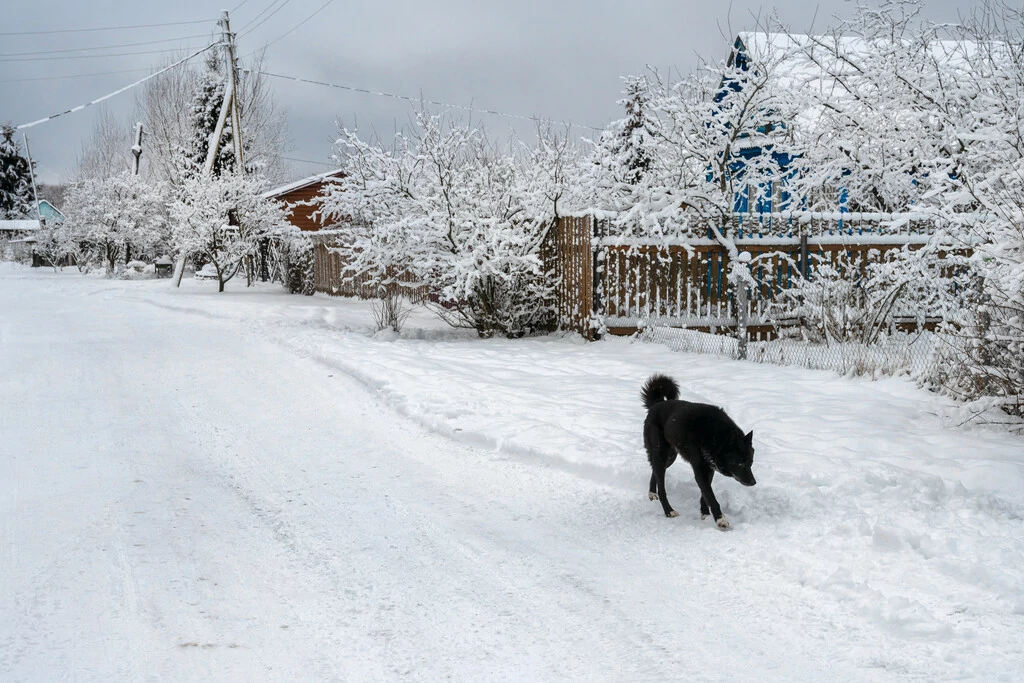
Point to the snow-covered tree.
(912, 115)
(54, 244)
(222, 220)
(554, 174)
(15, 177)
(122, 217)
(106, 151)
(176, 109)
(718, 143)
(626, 147)
(443, 208)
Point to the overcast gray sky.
(551, 59)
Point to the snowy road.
(187, 494)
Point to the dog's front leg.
(703, 476)
(704, 511)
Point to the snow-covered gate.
(568, 253)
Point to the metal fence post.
(803, 253)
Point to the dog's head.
(738, 459)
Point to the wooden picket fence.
(625, 283)
(329, 279)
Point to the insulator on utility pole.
(137, 148)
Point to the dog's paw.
(722, 523)
(703, 516)
(651, 495)
(672, 513)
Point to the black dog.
(702, 434)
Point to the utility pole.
(137, 148)
(236, 117)
(213, 144)
(229, 105)
(32, 174)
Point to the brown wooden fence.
(624, 284)
(329, 279)
(569, 255)
(628, 283)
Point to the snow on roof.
(823, 67)
(19, 225)
(817, 61)
(299, 184)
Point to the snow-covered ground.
(253, 486)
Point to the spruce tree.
(637, 130)
(15, 177)
(206, 106)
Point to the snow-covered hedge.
(442, 208)
(294, 251)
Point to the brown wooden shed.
(295, 195)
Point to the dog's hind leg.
(656, 448)
(659, 474)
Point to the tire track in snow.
(833, 543)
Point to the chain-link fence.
(894, 353)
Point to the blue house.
(49, 213)
(760, 144)
(765, 143)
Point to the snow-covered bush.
(858, 297)
(221, 220)
(830, 302)
(294, 255)
(390, 310)
(444, 208)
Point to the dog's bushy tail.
(659, 388)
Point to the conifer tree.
(15, 177)
(638, 128)
(206, 106)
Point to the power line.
(121, 90)
(105, 28)
(68, 76)
(256, 18)
(112, 54)
(265, 19)
(102, 47)
(415, 100)
(239, 5)
(310, 161)
(294, 28)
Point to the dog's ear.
(750, 437)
